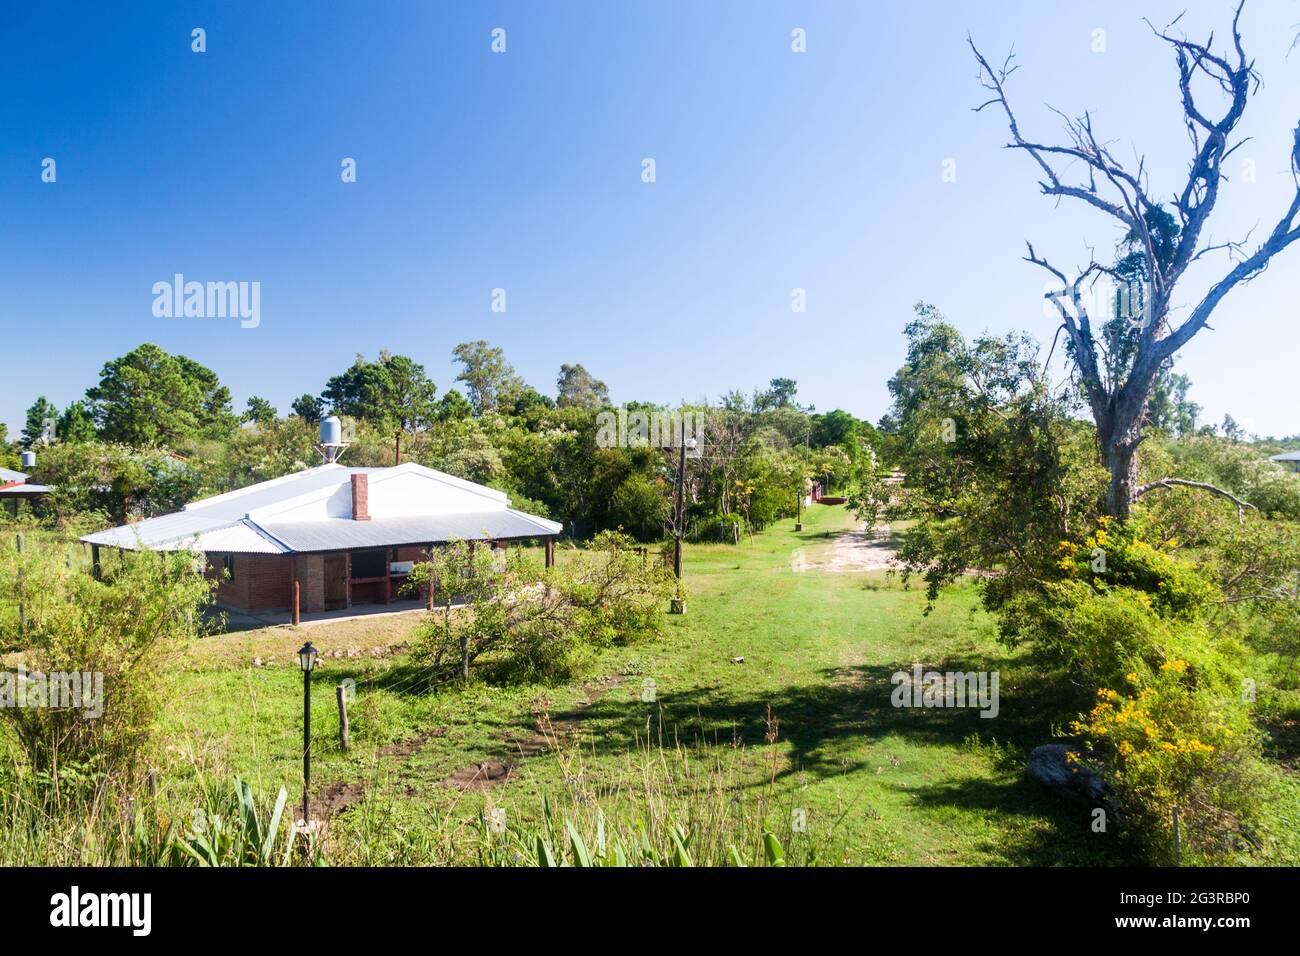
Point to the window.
(228, 562)
(369, 564)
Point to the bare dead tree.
(1122, 193)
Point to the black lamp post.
(306, 660)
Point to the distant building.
(343, 536)
(14, 488)
(1289, 460)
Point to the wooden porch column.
(95, 568)
(550, 552)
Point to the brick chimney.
(360, 498)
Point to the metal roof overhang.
(24, 491)
(344, 534)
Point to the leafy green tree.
(640, 507)
(1232, 431)
(114, 479)
(453, 406)
(76, 424)
(150, 397)
(260, 411)
(392, 393)
(779, 394)
(840, 428)
(528, 403)
(579, 388)
(279, 447)
(41, 423)
(309, 408)
(1170, 410)
(490, 380)
(474, 458)
(998, 472)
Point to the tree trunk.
(1121, 462)
(1119, 433)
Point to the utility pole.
(678, 510)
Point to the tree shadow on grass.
(826, 723)
(848, 705)
(1044, 831)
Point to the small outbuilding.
(329, 537)
(1289, 460)
(15, 488)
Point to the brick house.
(336, 536)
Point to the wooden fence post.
(1178, 839)
(343, 716)
(22, 609)
(464, 658)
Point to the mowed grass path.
(882, 785)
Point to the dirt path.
(864, 549)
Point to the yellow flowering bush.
(1169, 739)
(1121, 556)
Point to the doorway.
(336, 581)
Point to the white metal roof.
(1286, 456)
(7, 475)
(312, 511)
(340, 533)
(18, 491)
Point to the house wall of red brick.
(261, 581)
(264, 582)
(311, 579)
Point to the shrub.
(639, 506)
(1098, 621)
(540, 624)
(1177, 738)
(127, 627)
(1117, 556)
(1169, 726)
(729, 528)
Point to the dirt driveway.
(864, 549)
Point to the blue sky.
(523, 171)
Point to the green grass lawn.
(877, 785)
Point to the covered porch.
(298, 587)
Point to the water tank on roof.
(28, 459)
(331, 431)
